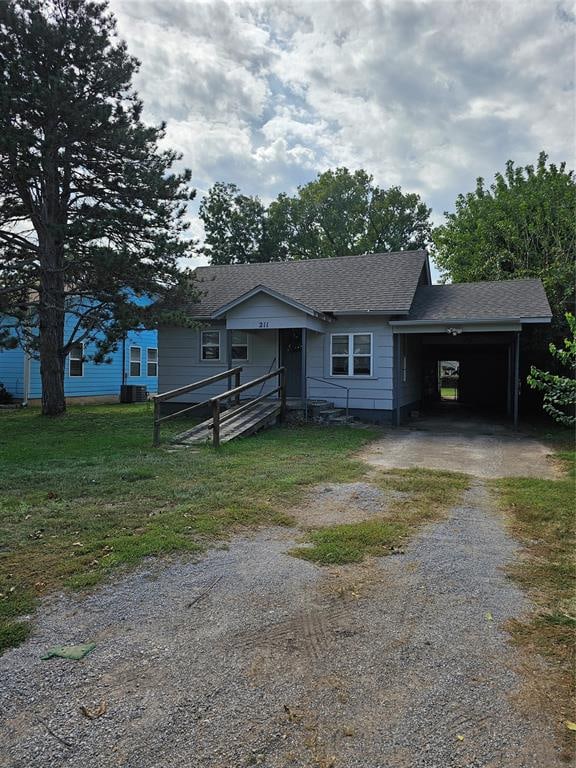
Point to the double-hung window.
(76, 360)
(135, 361)
(152, 362)
(351, 354)
(210, 345)
(239, 345)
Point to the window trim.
(76, 375)
(202, 345)
(247, 345)
(351, 355)
(148, 363)
(130, 374)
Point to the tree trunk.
(51, 327)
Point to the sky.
(426, 95)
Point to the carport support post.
(516, 378)
(396, 380)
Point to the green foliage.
(559, 391)
(339, 213)
(5, 396)
(523, 226)
(91, 213)
(234, 225)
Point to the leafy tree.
(524, 225)
(559, 391)
(234, 225)
(339, 213)
(91, 215)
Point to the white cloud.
(427, 95)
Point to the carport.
(479, 325)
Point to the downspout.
(124, 358)
(303, 392)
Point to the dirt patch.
(335, 503)
(479, 455)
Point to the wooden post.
(237, 384)
(516, 379)
(282, 383)
(156, 436)
(216, 423)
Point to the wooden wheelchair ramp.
(230, 416)
(235, 422)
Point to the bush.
(5, 396)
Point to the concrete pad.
(502, 453)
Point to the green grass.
(421, 495)
(350, 543)
(449, 393)
(541, 514)
(85, 494)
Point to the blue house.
(135, 362)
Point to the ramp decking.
(235, 422)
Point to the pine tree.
(91, 214)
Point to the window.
(351, 354)
(76, 360)
(152, 362)
(210, 345)
(239, 348)
(135, 361)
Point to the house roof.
(490, 300)
(375, 282)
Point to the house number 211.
(263, 324)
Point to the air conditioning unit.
(133, 393)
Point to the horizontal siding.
(370, 393)
(262, 309)
(180, 362)
(102, 379)
(12, 371)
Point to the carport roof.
(486, 301)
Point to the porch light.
(454, 331)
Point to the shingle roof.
(491, 300)
(376, 282)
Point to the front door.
(291, 359)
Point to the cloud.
(428, 95)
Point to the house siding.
(263, 311)
(366, 393)
(12, 371)
(180, 362)
(98, 380)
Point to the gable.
(382, 283)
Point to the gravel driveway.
(252, 657)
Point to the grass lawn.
(542, 515)
(85, 494)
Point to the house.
(134, 362)
(367, 331)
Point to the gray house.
(367, 331)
